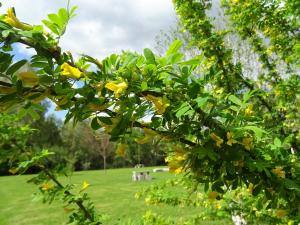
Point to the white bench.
(141, 175)
(155, 170)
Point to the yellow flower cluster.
(230, 138)
(47, 186)
(149, 135)
(29, 79)
(249, 110)
(279, 172)
(248, 143)
(219, 141)
(84, 186)
(12, 20)
(70, 71)
(212, 195)
(160, 103)
(175, 161)
(117, 88)
(121, 149)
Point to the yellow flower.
(13, 170)
(180, 156)
(250, 188)
(121, 150)
(247, 142)
(149, 135)
(277, 93)
(70, 71)
(212, 195)
(249, 110)
(279, 172)
(29, 79)
(84, 186)
(47, 186)
(12, 20)
(178, 170)
(280, 213)
(175, 167)
(230, 138)
(117, 88)
(161, 103)
(217, 139)
(218, 205)
(219, 91)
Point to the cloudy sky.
(102, 27)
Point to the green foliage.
(13, 142)
(57, 23)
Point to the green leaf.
(46, 80)
(149, 56)
(105, 120)
(201, 101)
(37, 107)
(182, 111)
(55, 19)
(16, 66)
(72, 11)
(63, 15)
(191, 62)
(206, 186)
(175, 58)
(204, 152)
(277, 142)
(174, 47)
(258, 131)
(234, 108)
(256, 190)
(218, 186)
(248, 95)
(6, 33)
(235, 100)
(95, 124)
(4, 26)
(33, 114)
(144, 86)
(290, 184)
(51, 26)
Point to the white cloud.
(103, 27)
(23, 50)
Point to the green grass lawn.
(112, 192)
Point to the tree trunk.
(104, 163)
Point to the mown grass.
(112, 192)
